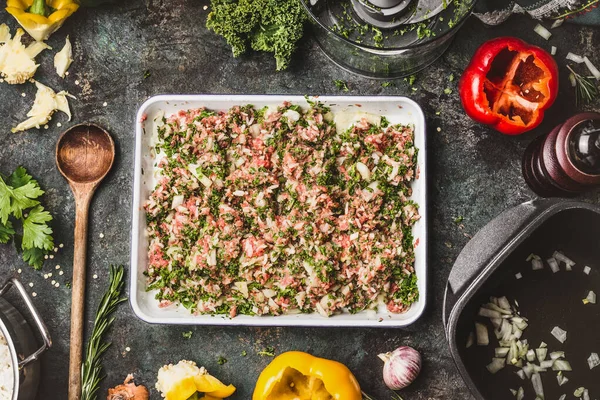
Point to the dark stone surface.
(475, 173)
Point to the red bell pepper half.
(509, 84)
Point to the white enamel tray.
(345, 109)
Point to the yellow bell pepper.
(300, 376)
(41, 19)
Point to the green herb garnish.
(341, 85)
(91, 369)
(187, 335)
(585, 90)
(19, 194)
(458, 219)
(244, 353)
(268, 351)
(222, 360)
(410, 80)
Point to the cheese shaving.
(63, 59)
(17, 62)
(45, 104)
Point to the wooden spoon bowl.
(84, 155)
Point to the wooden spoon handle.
(82, 204)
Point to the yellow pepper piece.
(39, 26)
(213, 387)
(182, 390)
(300, 376)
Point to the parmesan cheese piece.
(45, 104)
(63, 59)
(17, 62)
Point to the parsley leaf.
(19, 202)
(34, 257)
(36, 233)
(6, 232)
(341, 85)
(20, 178)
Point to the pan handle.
(39, 323)
(491, 239)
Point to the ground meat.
(268, 212)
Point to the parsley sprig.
(19, 194)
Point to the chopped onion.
(528, 370)
(541, 353)
(553, 264)
(501, 351)
(561, 257)
(593, 360)
(572, 80)
(543, 32)
(591, 298)
(483, 338)
(561, 379)
(562, 397)
(530, 356)
(496, 307)
(496, 322)
(587, 270)
(513, 392)
(496, 365)
(553, 50)
(504, 303)
(537, 264)
(543, 345)
(586, 394)
(520, 394)
(555, 355)
(518, 275)
(470, 339)
(177, 201)
(486, 312)
(592, 68)
(575, 58)
(561, 365)
(569, 267)
(364, 171)
(559, 334)
(547, 364)
(536, 381)
(557, 23)
(521, 374)
(579, 391)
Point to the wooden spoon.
(84, 155)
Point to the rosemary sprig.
(91, 369)
(585, 90)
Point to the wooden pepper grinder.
(565, 162)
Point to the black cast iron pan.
(487, 267)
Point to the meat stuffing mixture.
(270, 212)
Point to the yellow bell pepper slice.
(300, 376)
(213, 387)
(40, 27)
(182, 390)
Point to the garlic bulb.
(402, 366)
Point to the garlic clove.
(401, 368)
